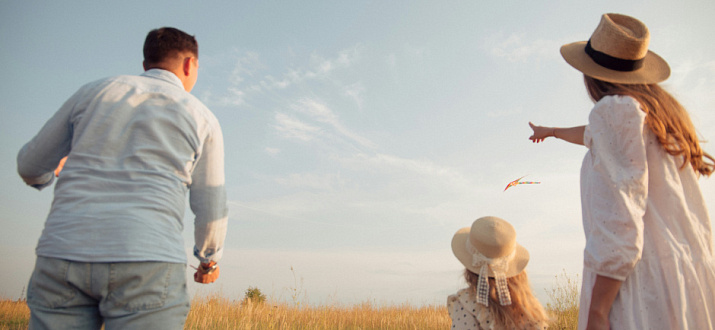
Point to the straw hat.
(490, 239)
(617, 52)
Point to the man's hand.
(206, 273)
(60, 166)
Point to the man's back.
(135, 141)
(127, 150)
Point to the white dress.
(467, 314)
(646, 224)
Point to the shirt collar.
(165, 75)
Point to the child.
(499, 295)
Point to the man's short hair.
(165, 42)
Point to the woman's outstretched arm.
(570, 134)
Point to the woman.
(648, 261)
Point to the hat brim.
(459, 248)
(654, 70)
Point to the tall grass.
(218, 312)
(215, 312)
(563, 302)
(14, 314)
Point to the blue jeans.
(65, 294)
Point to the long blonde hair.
(525, 310)
(665, 116)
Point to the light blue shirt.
(135, 145)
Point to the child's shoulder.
(464, 309)
(463, 293)
(463, 297)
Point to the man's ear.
(186, 66)
(144, 65)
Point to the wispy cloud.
(319, 67)
(517, 48)
(311, 119)
(271, 151)
(293, 128)
(390, 163)
(249, 75)
(355, 92)
(321, 113)
(245, 65)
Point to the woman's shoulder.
(616, 111)
(618, 102)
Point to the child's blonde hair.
(525, 310)
(665, 116)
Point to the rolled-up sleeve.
(614, 187)
(208, 198)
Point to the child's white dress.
(466, 313)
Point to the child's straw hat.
(618, 52)
(489, 249)
(491, 238)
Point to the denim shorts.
(65, 294)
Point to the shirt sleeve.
(208, 199)
(38, 159)
(614, 192)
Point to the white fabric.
(499, 267)
(645, 223)
(466, 313)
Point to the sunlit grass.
(218, 312)
(563, 302)
(215, 312)
(14, 314)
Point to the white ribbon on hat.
(499, 267)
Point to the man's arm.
(208, 202)
(38, 159)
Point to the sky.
(359, 135)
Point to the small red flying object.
(516, 182)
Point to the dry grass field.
(216, 312)
(14, 314)
(220, 313)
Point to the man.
(112, 250)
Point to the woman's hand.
(570, 134)
(540, 133)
